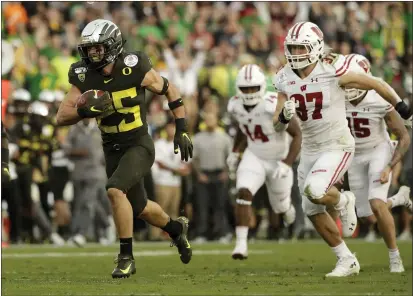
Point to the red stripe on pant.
(338, 170)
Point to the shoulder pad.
(270, 101)
(279, 80)
(382, 103)
(137, 59)
(77, 73)
(232, 103)
(139, 62)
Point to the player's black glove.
(182, 140)
(403, 110)
(95, 107)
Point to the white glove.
(282, 170)
(289, 109)
(232, 161)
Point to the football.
(89, 96)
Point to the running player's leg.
(315, 174)
(378, 201)
(279, 183)
(358, 182)
(319, 187)
(250, 177)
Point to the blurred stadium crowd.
(58, 193)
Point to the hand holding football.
(91, 97)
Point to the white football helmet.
(39, 108)
(47, 96)
(21, 94)
(358, 64)
(251, 75)
(309, 36)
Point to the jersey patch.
(131, 60)
(80, 70)
(81, 77)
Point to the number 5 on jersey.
(131, 115)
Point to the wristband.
(281, 118)
(176, 104)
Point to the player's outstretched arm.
(67, 113)
(295, 146)
(160, 85)
(396, 126)
(367, 82)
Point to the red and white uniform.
(328, 146)
(266, 148)
(374, 150)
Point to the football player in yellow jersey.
(121, 116)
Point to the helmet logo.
(364, 64)
(318, 32)
(81, 77)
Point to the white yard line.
(242, 294)
(136, 254)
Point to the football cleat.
(182, 243)
(396, 265)
(348, 215)
(240, 252)
(125, 266)
(345, 266)
(405, 191)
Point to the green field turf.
(271, 269)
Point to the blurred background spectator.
(199, 46)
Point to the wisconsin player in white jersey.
(369, 174)
(328, 146)
(268, 157)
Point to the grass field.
(271, 269)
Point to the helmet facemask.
(251, 84)
(310, 55)
(251, 95)
(98, 55)
(353, 94)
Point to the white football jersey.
(320, 105)
(258, 126)
(366, 121)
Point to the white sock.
(342, 250)
(242, 234)
(394, 253)
(342, 202)
(396, 200)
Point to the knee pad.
(315, 188)
(244, 197)
(280, 202)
